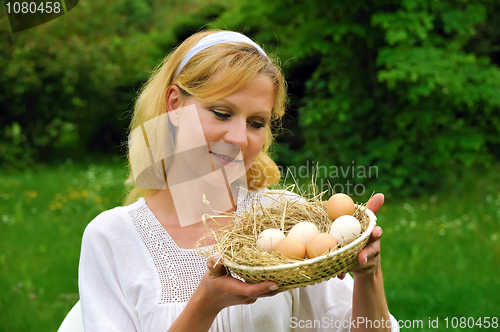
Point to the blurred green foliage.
(67, 86)
(409, 86)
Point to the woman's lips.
(225, 160)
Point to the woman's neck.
(163, 207)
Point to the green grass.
(440, 254)
(43, 214)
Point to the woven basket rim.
(364, 235)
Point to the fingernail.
(216, 260)
(273, 287)
(366, 260)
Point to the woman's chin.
(216, 179)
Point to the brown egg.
(340, 205)
(320, 245)
(291, 248)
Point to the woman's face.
(234, 127)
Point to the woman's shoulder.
(113, 221)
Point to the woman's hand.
(368, 258)
(368, 299)
(220, 289)
(216, 291)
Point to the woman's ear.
(173, 102)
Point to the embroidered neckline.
(179, 269)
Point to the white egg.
(268, 239)
(303, 231)
(345, 228)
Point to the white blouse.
(133, 277)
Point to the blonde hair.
(240, 63)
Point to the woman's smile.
(225, 160)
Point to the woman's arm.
(103, 301)
(216, 291)
(369, 307)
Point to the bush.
(406, 86)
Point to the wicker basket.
(309, 271)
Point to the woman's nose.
(237, 134)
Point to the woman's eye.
(220, 115)
(256, 125)
(225, 116)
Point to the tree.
(406, 86)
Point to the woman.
(203, 120)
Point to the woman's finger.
(260, 289)
(370, 251)
(271, 293)
(376, 234)
(215, 267)
(375, 203)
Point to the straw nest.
(236, 242)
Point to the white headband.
(213, 39)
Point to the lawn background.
(440, 254)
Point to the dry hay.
(237, 241)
